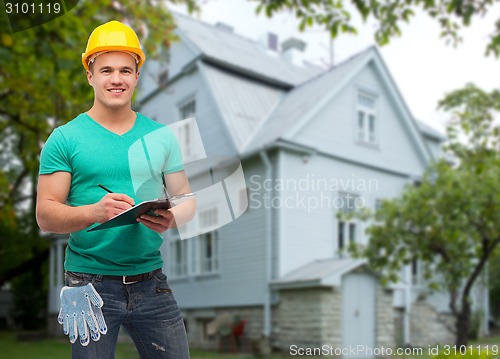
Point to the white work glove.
(81, 310)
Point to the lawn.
(59, 348)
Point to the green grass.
(59, 348)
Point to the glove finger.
(66, 324)
(60, 318)
(101, 323)
(73, 330)
(94, 297)
(91, 320)
(82, 328)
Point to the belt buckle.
(124, 281)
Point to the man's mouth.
(116, 90)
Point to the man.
(122, 264)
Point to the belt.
(131, 279)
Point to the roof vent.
(269, 41)
(293, 43)
(224, 27)
(292, 51)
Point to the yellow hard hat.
(113, 36)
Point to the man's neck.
(118, 121)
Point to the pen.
(164, 184)
(104, 188)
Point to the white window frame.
(367, 121)
(205, 263)
(350, 227)
(187, 108)
(178, 267)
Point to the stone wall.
(385, 318)
(428, 327)
(308, 318)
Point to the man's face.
(113, 78)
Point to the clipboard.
(130, 215)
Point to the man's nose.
(116, 77)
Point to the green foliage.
(43, 85)
(335, 17)
(30, 303)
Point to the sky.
(422, 65)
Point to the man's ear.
(90, 76)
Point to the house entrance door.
(358, 315)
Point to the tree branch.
(24, 267)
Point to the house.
(312, 143)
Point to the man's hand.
(160, 222)
(111, 205)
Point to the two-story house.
(312, 142)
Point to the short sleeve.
(54, 156)
(174, 160)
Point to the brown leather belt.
(131, 279)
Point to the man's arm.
(176, 183)
(54, 215)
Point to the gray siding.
(164, 108)
(333, 130)
(309, 232)
(241, 279)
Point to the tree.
(44, 86)
(449, 222)
(336, 17)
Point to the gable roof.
(265, 90)
(301, 100)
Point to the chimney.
(292, 51)
(269, 41)
(224, 27)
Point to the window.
(347, 202)
(367, 118)
(416, 276)
(178, 264)
(185, 127)
(378, 204)
(208, 243)
(163, 78)
(208, 253)
(187, 109)
(347, 232)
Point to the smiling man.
(113, 277)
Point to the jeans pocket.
(161, 283)
(72, 279)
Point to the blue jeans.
(146, 309)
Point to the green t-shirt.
(131, 163)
